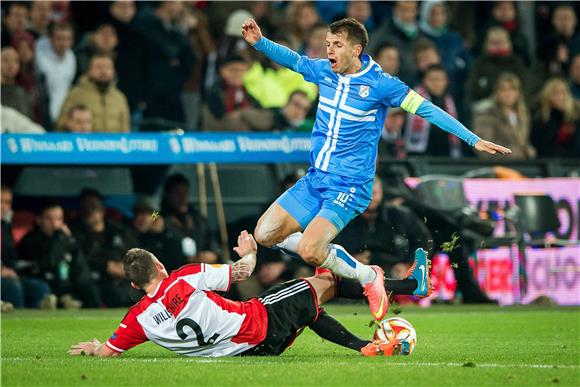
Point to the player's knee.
(311, 254)
(265, 236)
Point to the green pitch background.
(457, 345)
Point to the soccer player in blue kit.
(354, 94)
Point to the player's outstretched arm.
(246, 249)
(276, 52)
(92, 348)
(414, 103)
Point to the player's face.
(342, 53)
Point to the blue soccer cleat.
(419, 271)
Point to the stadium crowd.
(82, 67)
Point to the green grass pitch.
(457, 345)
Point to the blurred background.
(153, 124)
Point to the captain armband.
(412, 102)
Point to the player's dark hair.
(139, 266)
(354, 30)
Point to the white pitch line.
(261, 361)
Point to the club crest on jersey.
(364, 91)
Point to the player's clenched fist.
(251, 32)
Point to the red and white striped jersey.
(186, 317)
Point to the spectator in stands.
(556, 128)
(504, 14)
(13, 121)
(266, 16)
(506, 118)
(229, 106)
(316, 43)
(56, 63)
(13, 95)
(131, 63)
(169, 62)
(293, 116)
(99, 93)
(40, 18)
(392, 143)
(426, 55)
(104, 243)
(450, 45)
(271, 84)
(423, 138)
(498, 58)
(402, 30)
(148, 228)
(232, 43)
(24, 43)
(302, 16)
(51, 253)
(205, 53)
(191, 238)
(14, 20)
(102, 41)
(564, 41)
(79, 119)
(387, 56)
(384, 235)
(361, 11)
(19, 291)
(575, 76)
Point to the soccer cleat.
(380, 347)
(419, 271)
(377, 295)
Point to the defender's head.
(142, 268)
(345, 41)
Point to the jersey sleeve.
(309, 68)
(393, 91)
(217, 277)
(129, 334)
(207, 277)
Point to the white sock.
(341, 263)
(290, 243)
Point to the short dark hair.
(354, 30)
(12, 4)
(297, 92)
(79, 107)
(434, 67)
(62, 26)
(139, 266)
(173, 181)
(99, 55)
(424, 45)
(48, 204)
(384, 46)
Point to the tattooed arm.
(246, 249)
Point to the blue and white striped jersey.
(351, 111)
(350, 115)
